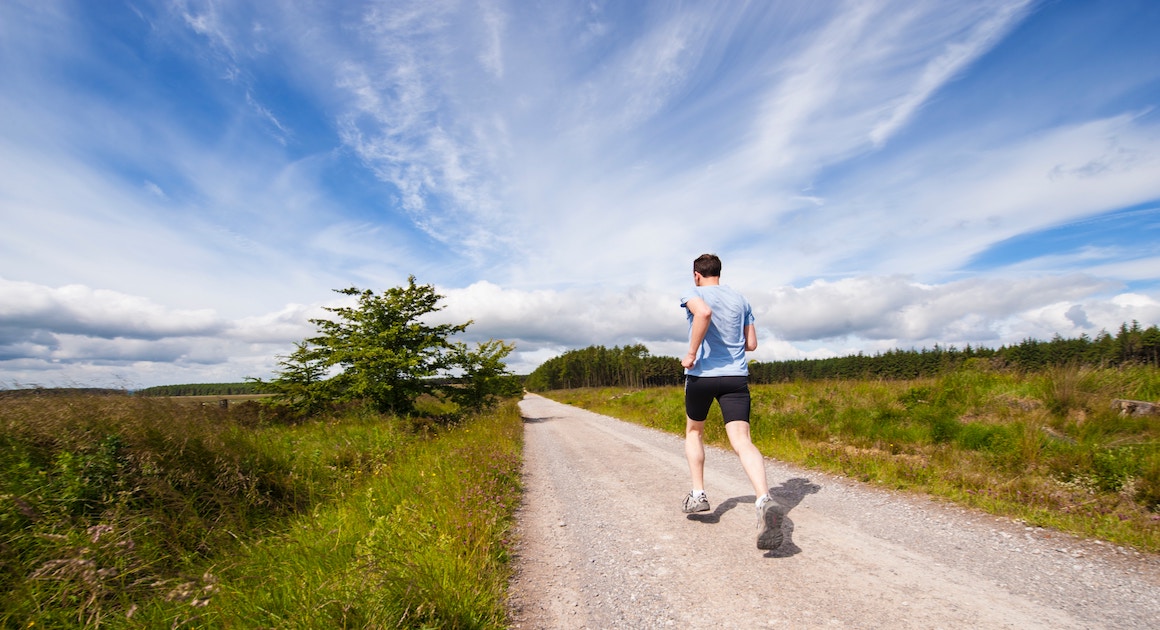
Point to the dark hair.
(708, 265)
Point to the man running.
(721, 330)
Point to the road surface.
(602, 543)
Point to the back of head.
(708, 265)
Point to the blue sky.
(183, 184)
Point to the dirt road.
(603, 544)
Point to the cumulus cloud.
(75, 332)
(897, 308)
(564, 317)
(291, 323)
(81, 310)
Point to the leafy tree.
(300, 385)
(383, 353)
(485, 378)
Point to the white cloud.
(98, 313)
(899, 309)
(67, 335)
(491, 57)
(932, 210)
(283, 327)
(567, 317)
(957, 54)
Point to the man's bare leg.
(751, 459)
(769, 535)
(695, 501)
(695, 451)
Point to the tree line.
(598, 366)
(1131, 344)
(632, 366)
(204, 389)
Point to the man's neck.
(709, 282)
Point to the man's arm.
(702, 315)
(750, 338)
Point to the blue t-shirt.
(723, 351)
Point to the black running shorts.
(730, 392)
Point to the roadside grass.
(130, 512)
(1044, 448)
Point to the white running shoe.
(768, 524)
(695, 503)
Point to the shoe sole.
(704, 507)
(769, 533)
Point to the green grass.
(128, 512)
(1045, 448)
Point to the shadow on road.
(787, 496)
(714, 517)
(531, 420)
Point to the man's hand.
(689, 360)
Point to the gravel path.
(602, 543)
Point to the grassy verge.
(1044, 448)
(123, 512)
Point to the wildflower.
(96, 531)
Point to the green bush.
(1147, 491)
(1114, 467)
(981, 437)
